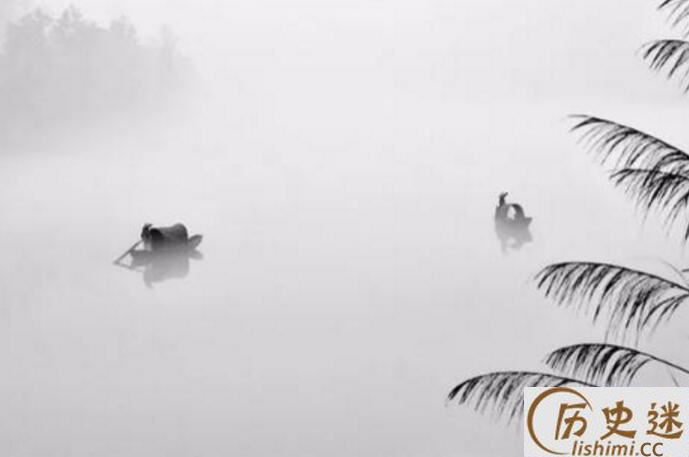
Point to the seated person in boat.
(155, 238)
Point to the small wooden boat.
(161, 244)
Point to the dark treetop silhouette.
(65, 69)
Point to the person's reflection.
(511, 225)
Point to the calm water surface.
(350, 278)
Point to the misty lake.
(338, 300)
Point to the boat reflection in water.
(167, 254)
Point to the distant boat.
(165, 254)
(511, 224)
(172, 237)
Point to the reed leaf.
(664, 192)
(671, 55)
(626, 147)
(502, 393)
(606, 364)
(632, 299)
(678, 10)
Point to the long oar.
(134, 246)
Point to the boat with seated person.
(157, 240)
(165, 254)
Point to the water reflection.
(511, 225)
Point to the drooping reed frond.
(662, 191)
(678, 10)
(672, 55)
(606, 364)
(632, 299)
(627, 147)
(503, 392)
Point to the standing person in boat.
(502, 221)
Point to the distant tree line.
(66, 68)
